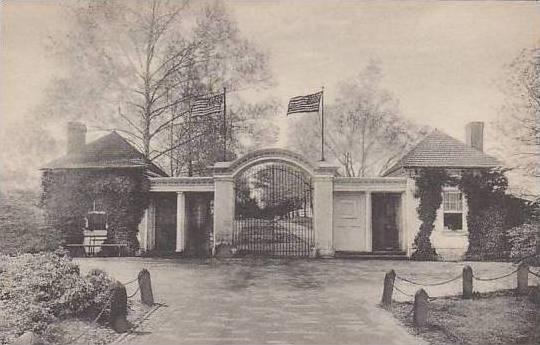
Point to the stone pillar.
(369, 230)
(180, 221)
(147, 228)
(323, 200)
(223, 210)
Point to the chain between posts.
(534, 273)
(429, 284)
(130, 282)
(412, 296)
(402, 292)
(453, 279)
(133, 294)
(494, 278)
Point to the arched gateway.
(273, 210)
(266, 203)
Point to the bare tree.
(518, 124)
(365, 132)
(149, 60)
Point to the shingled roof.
(438, 149)
(109, 151)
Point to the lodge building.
(276, 202)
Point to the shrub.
(38, 289)
(486, 219)
(523, 241)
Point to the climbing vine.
(488, 216)
(429, 187)
(68, 195)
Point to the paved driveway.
(268, 301)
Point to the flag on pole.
(208, 105)
(305, 104)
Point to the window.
(453, 210)
(96, 219)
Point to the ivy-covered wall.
(491, 212)
(68, 195)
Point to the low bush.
(39, 289)
(523, 241)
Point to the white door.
(350, 222)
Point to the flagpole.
(224, 124)
(190, 145)
(322, 123)
(171, 139)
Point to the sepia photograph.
(200, 172)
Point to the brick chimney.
(76, 137)
(474, 135)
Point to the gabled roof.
(438, 149)
(109, 151)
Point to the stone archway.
(319, 174)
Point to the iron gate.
(273, 211)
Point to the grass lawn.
(491, 318)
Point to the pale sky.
(442, 60)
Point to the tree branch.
(178, 145)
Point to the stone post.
(420, 309)
(145, 286)
(323, 199)
(223, 215)
(523, 279)
(118, 314)
(467, 282)
(388, 289)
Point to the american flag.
(304, 104)
(207, 106)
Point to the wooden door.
(350, 222)
(385, 221)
